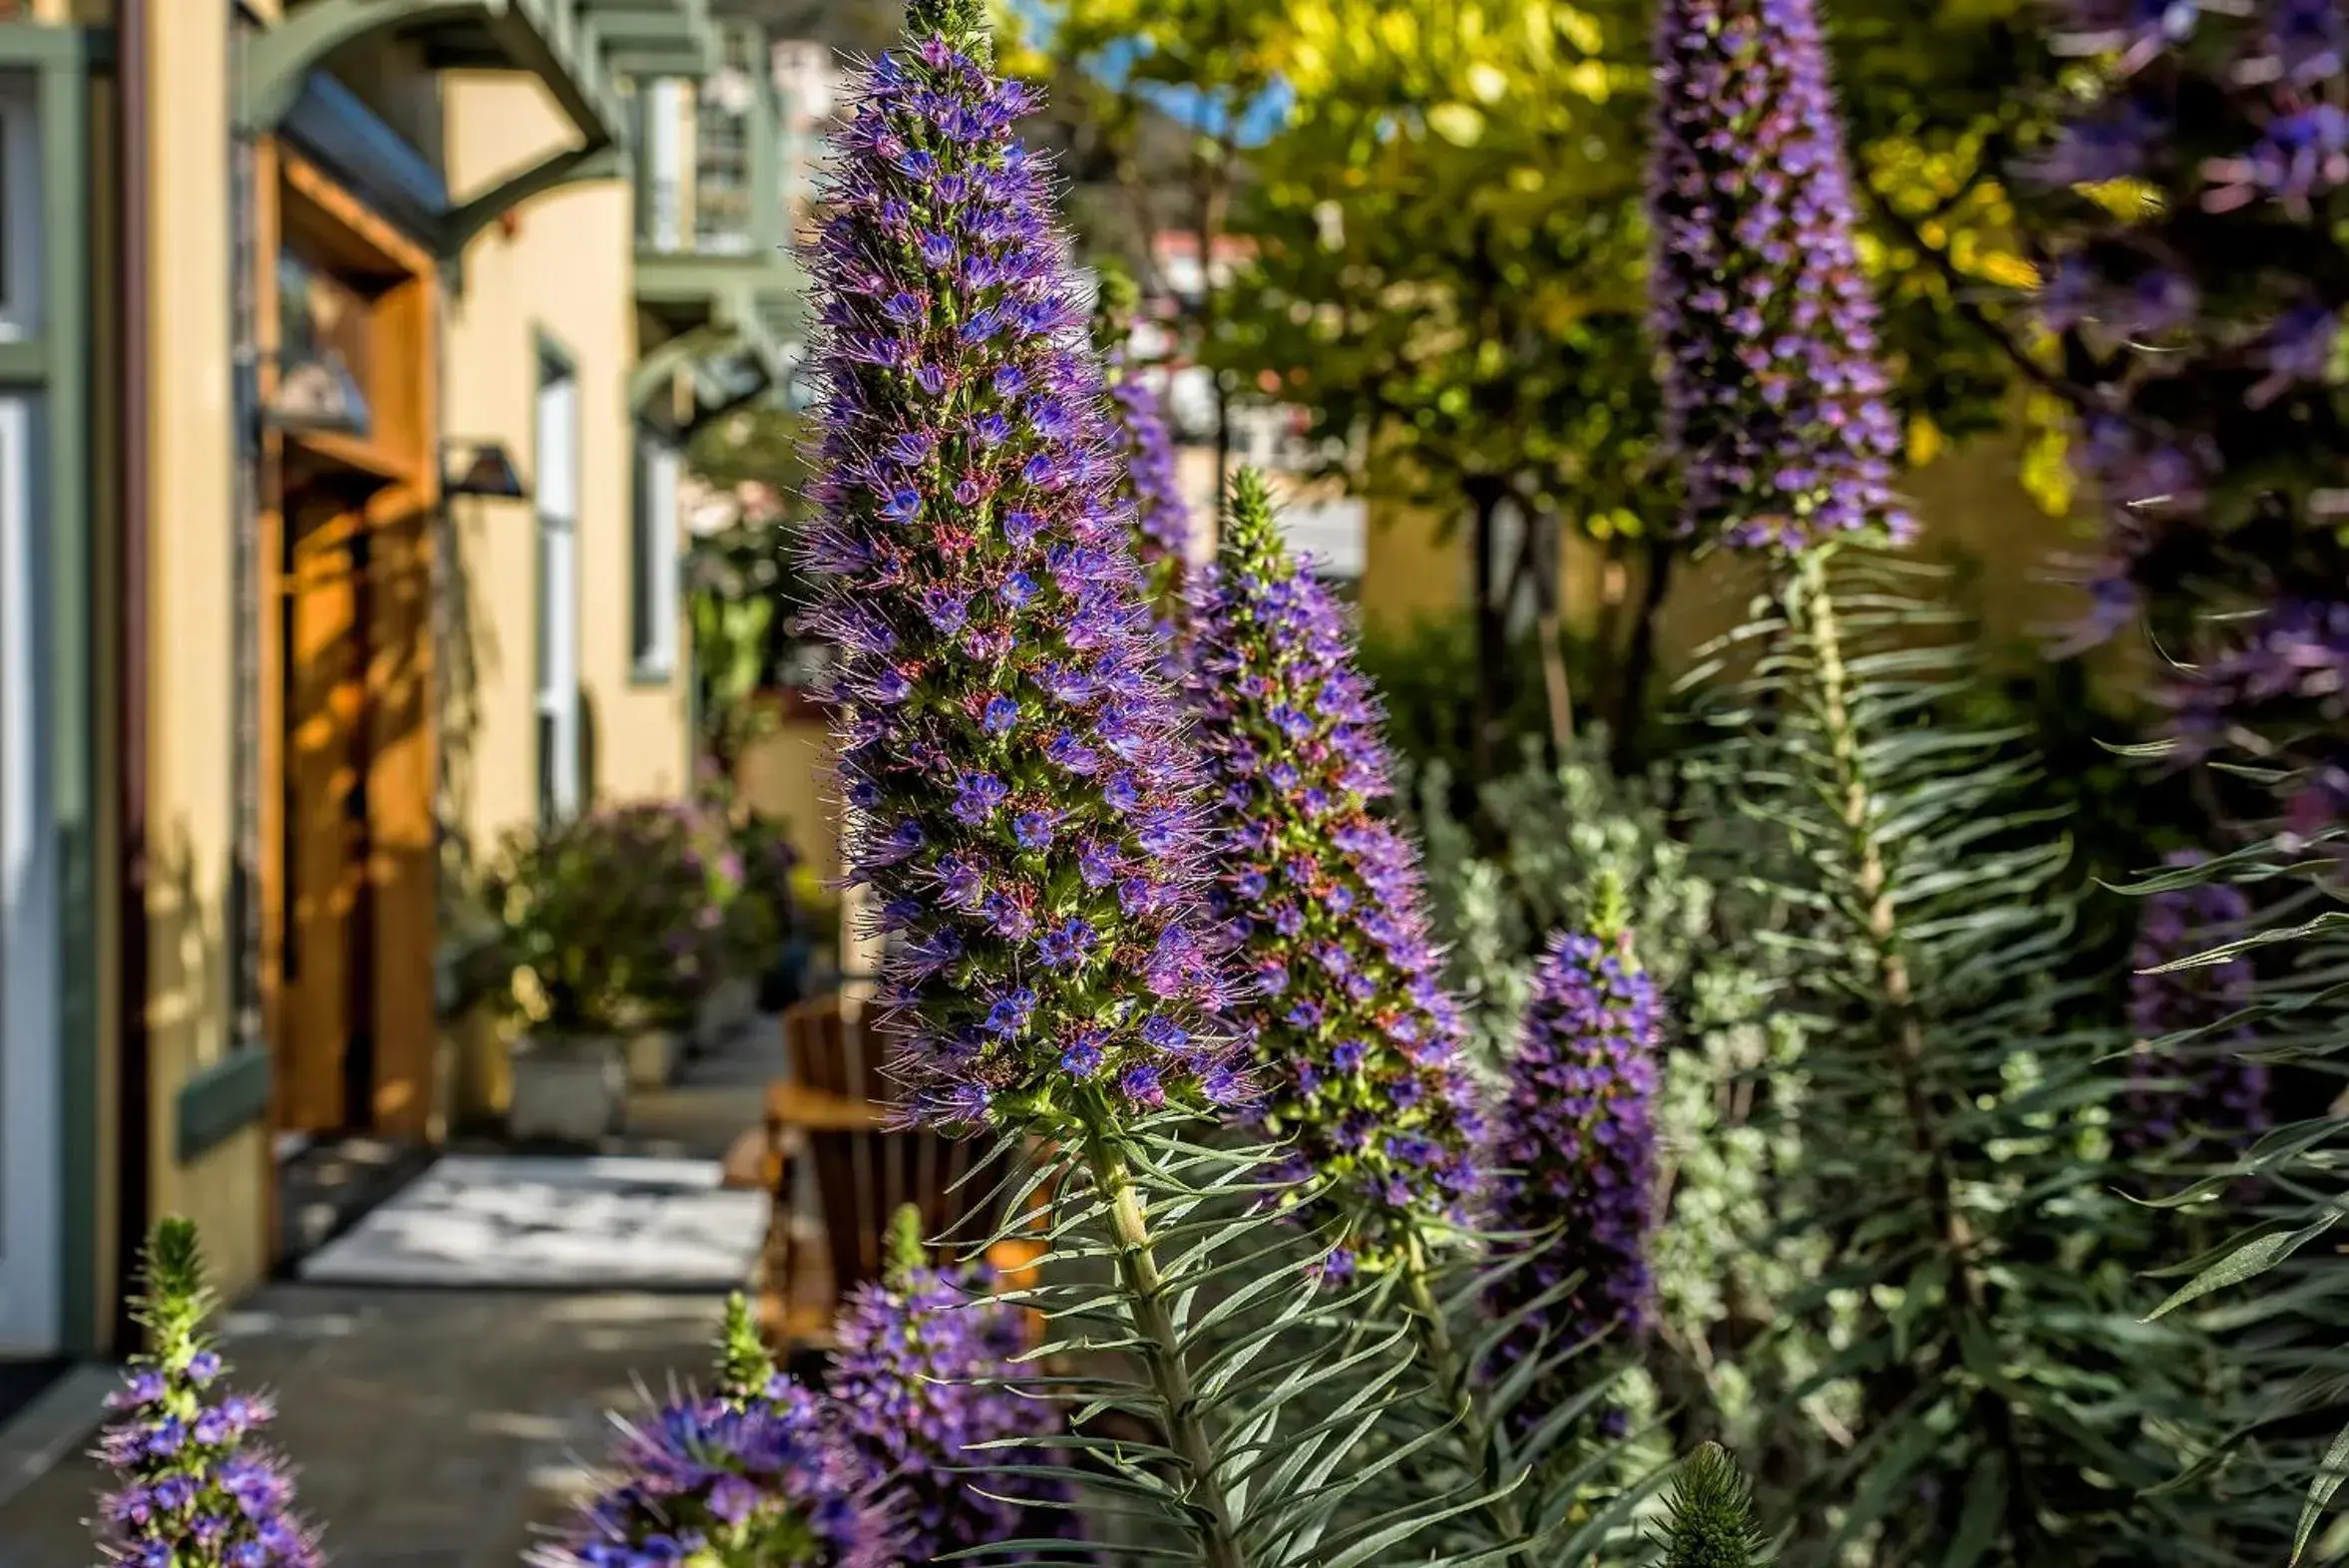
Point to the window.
(661, 194)
(652, 563)
(558, 590)
(725, 121)
(20, 212)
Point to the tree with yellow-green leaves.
(1447, 250)
(1447, 275)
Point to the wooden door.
(324, 1064)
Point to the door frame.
(45, 362)
(300, 202)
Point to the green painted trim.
(652, 38)
(25, 363)
(574, 166)
(54, 47)
(220, 1102)
(63, 58)
(554, 39)
(277, 59)
(765, 133)
(653, 374)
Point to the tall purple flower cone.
(1775, 395)
(708, 1479)
(1162, 530)
(1025, 800)
(1145, 445)
(2225, 1106)
(1576, 1139)
(916, 1384)
(195, 1488)
(1353, 1033)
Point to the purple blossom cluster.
(1575, 1140)
(766, 1480)
(1351, 1028)
(1162, 533)
(2216, 436)
(193, 1495)
(1024, 801)
(911, 1380)
(1775, 395)
(2281, 684)
(195, 1489)
(2228, 1105)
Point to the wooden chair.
(829, 1120)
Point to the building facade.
(348, 352)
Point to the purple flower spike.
(1774, 396)
(195, 1489)
(910, 1383)
(1359, 1048)
(1576, 1144)
(1027, 802)
(763, 1479)
(2286, 673)
(1147, 453)
(1162, 521)
(2225, 1106)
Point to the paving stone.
(427, 1427)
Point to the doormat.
(495, 1222)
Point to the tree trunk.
(1639, 662)
(1492, 656)
(1545, 550)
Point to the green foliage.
(1421, 670)
(2273, 1292)
(2009, 1408)
(1537, 854)
(744, 1365)
(613, 920)
(1202, 1328)
(1462, 302)
(743, 475)
(1710, 1514)
(174, 1299)
(907, 1252)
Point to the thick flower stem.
(1456, 1380)
(1903, 1019)
(1170, 1371)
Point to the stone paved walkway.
(428, 1428)
(445, 1428)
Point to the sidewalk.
(447, 1427)
(428, 1428)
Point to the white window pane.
(655, 551)
(30, 1114)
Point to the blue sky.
(1187, 105)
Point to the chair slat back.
(863, 1178)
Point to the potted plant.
(757, 924)
(613, 935)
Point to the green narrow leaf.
(2329, 1477)
(2254, 1258)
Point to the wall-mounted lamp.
(490, 472)
(318, 396)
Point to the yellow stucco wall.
(191, 634)
(564, 270)
(787, 773)
(1973, 514)
(1409, 570)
